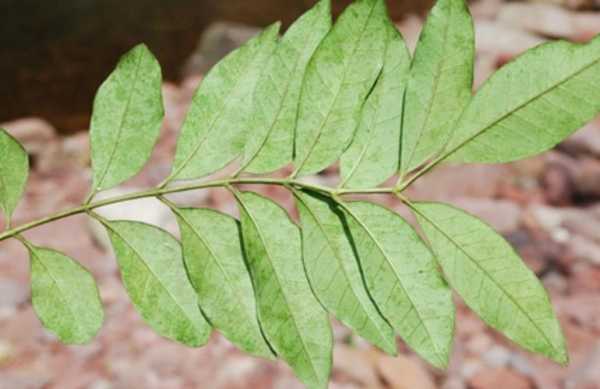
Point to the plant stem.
(161, 191)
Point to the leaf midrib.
(264, 244)
(488, 275)
(339, 260)
(440, 355)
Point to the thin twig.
(161, 191)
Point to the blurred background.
(53, 57)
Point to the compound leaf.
(219, 119)
(293, 321)
(338, 79)
(154, 275)
(530, 104)
(403, 278)
(126, 120)
(441, 82)
(492, 279)
(374, 154)
(212, 252)
(271, 145)
(65, 296)
(334, 273)
(14, 169)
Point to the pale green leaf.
(374, 154)
(218, 121)
(271, 145)
(127, 116)
(334, 272)
(441, 82)
(492, 279)
(212, 252)
(294, 323)
(531, 104)
(14, 169)
(64, 296)
(338, 79)
(154, 275)
(403, 278)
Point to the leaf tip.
(560, 356)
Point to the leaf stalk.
(159, 192)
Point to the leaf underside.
(334, 273)
(277, 93)
(216, 127)
(64, 296)
(441, 81)
(554, 89)
(338, 79)
(374, 154)
(213, 257)
(294, 322)
(14, 169)
(403, 279)
(154, 275)
(126, 120)
(492, 279)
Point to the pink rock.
(499, 378)
(540, 18)
(404, 373)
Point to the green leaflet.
(14, 169)
(153, 272)
(277, 93)
(293, 321)
(212, 252)
(219, 119)
(127, 116)
(530, 104)
(403, 278)
(441, 82)
(374, 154)
(491, 278)
(64, 296)
(334, 273)
(338, 79)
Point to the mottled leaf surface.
(154, 275)
(126, 120)
(334, 273)
(64, 296)
(441, 82)
(14, 169)
(293, 320)
(212, 252)
(374, 154)
(338, 79)
(531, 104)
(491, 278)
(219, 119)
(271, 146)
(403, 278)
